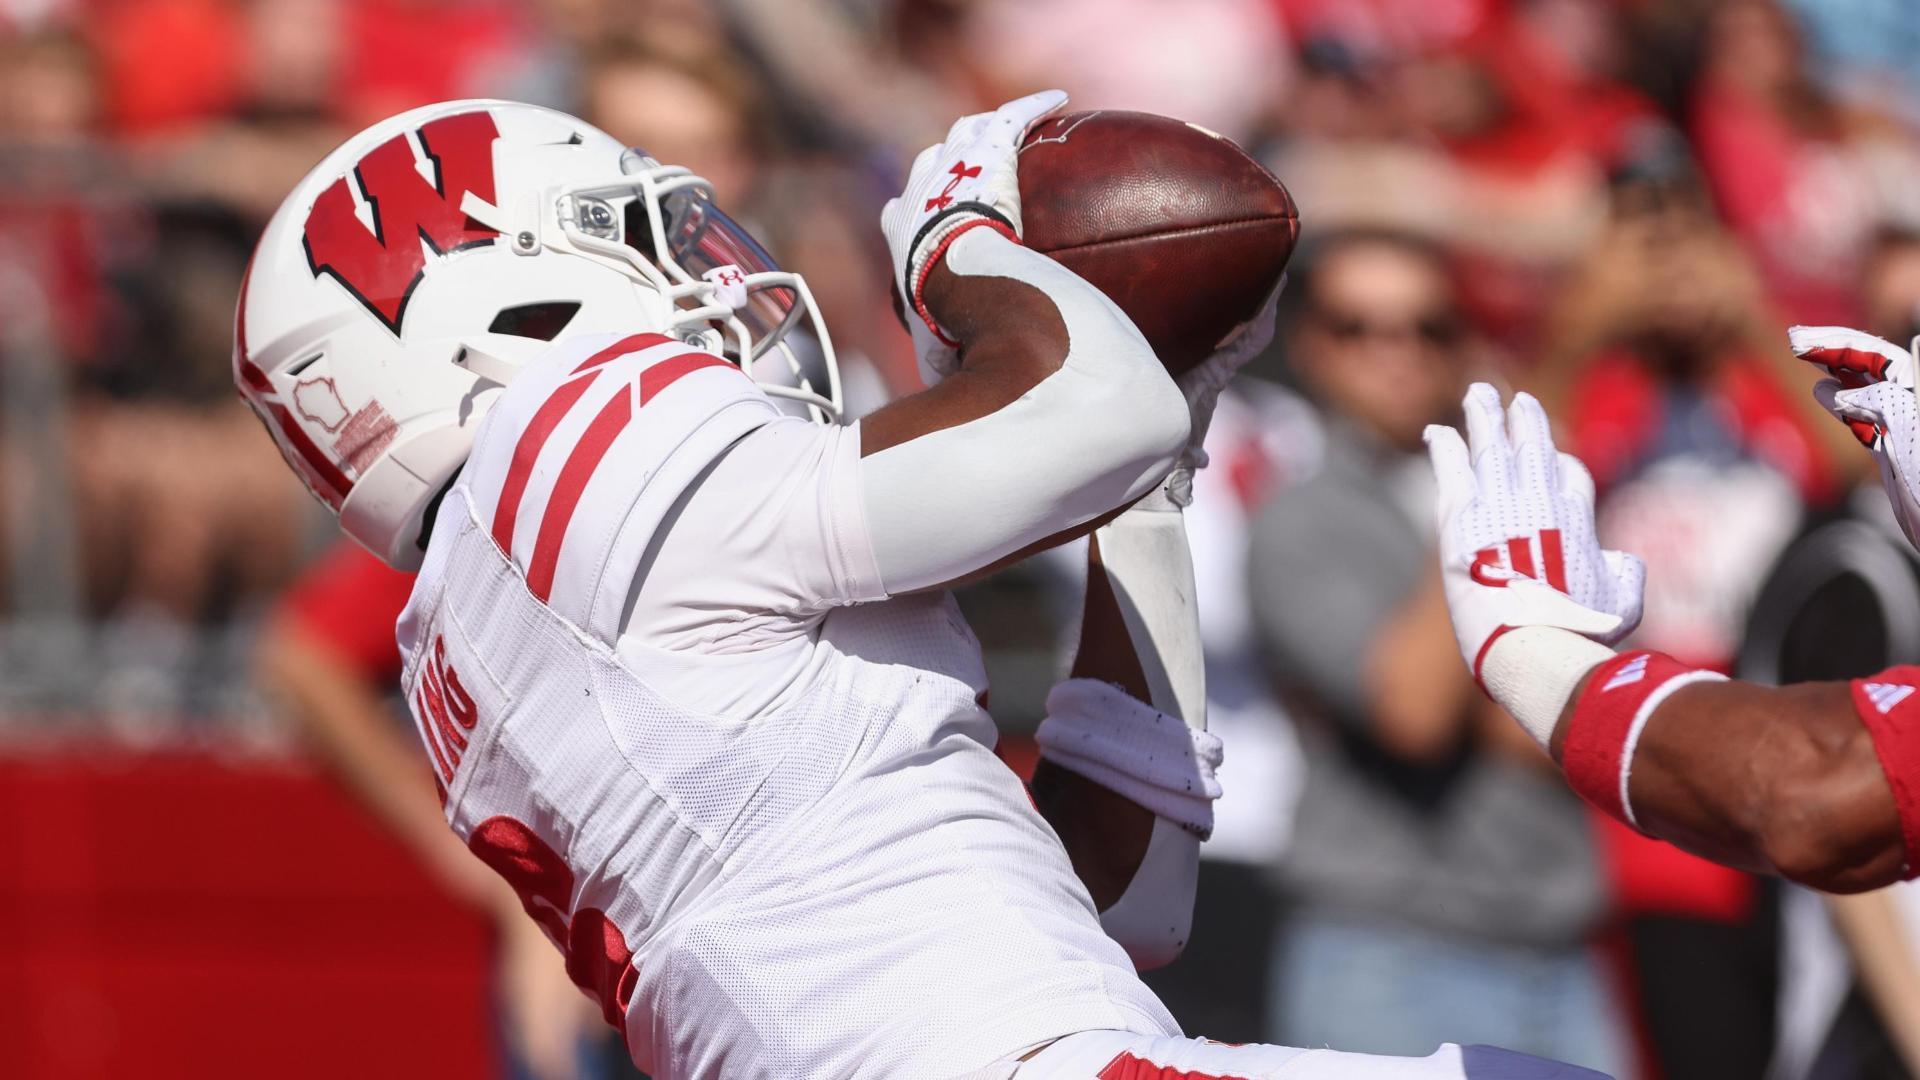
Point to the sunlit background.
(219, 850)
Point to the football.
(1177, 225)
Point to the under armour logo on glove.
(1517, 545)
(970, 180)
(960, 173)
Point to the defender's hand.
(1870, 389)
(1517, 545)
(1852, 360)
(966, 181)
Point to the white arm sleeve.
(1156, 753)
(1101, 430)
(773, 536)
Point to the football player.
(684, 660)
(1816, 782)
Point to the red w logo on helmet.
(380, 266)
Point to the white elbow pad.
(1099, 731)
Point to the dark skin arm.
(1771, 780)
(1105, 834)
(1012, 337)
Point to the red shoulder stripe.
(525, 453)
(534, 439)
(669, 371)
(606, 426)
(630, 344)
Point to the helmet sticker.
(318, 402)
(379, 259)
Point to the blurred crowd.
(1618, 204)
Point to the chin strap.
(486, 365)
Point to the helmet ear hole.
(541, 321)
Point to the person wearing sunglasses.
(1440, 884)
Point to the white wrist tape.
(1099, 731)
(1533, 671)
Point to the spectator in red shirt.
(331, 659)
(1802, 179)
(1705, 445)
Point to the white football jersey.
(753, 801)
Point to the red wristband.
(1889, 707)
(1620, 695)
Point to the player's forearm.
(1775, 780)
(1770, 780)
(1105, 833)
(1058, 414)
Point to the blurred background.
(219, 850)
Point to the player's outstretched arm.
(1047, 410)
(1793, 781)
(1782, 780)
(1126, 773)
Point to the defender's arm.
(1813, 782)
(1792, 780)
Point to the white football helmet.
(411, 274)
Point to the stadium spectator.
(1442, 885)
(1802, 178)
(700, 111)
(1665, 365)
(1706, 447)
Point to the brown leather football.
(1177, 225)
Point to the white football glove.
(1202, 386)
(1870, 389)
(965, 181)
(1517, 546)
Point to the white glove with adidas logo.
(1517, 544)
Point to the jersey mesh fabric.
(843, 882)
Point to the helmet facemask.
(661, 224)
